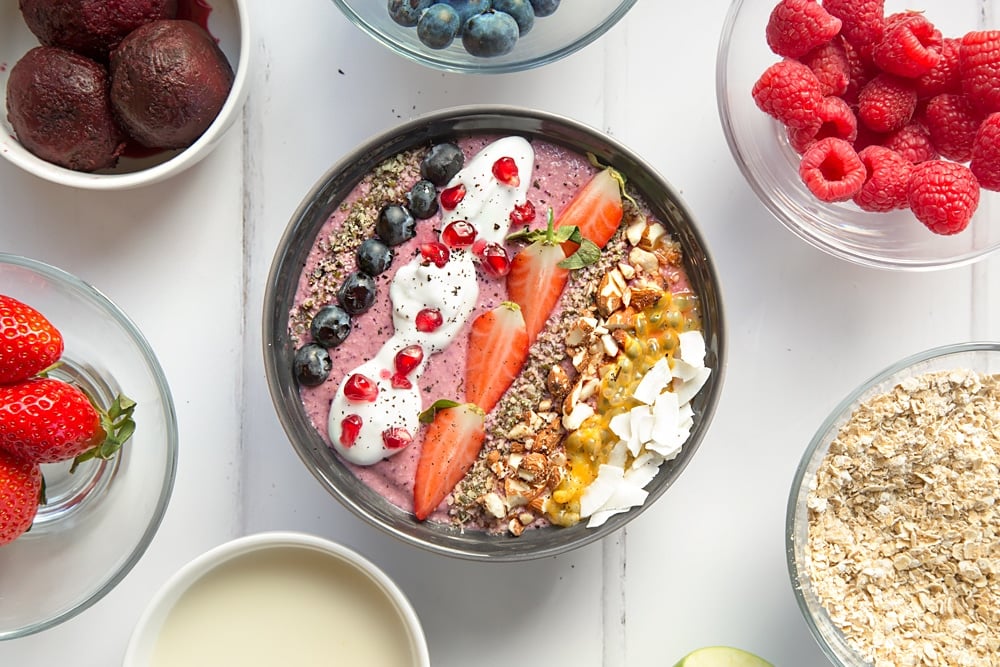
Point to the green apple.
(721, 656)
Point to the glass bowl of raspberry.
(88, 445)
(860, 147)
(891, 514)
(484, 36)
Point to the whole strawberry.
(20, 490)
(28, 342)
(47, 420)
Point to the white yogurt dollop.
(452, 290)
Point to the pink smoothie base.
(557, 176)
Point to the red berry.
(979, 67)
(886, 103)
(459, 234)
(860, 71)
(862, 22)
(831, 65)
(944, 77)
(910, 46)
(832, 170)
(450, 197)
(912, 141)
(522, 213)
(838, 120)
(494, 260)
(28, 342)
(986, 153)
(887, 181)
(943, 195)
(407, 359)
(350, 427)
(952, 122)
(428, 320)
(360, 388)
(20, 490)
(435, 252)
(505, 171)
(396, 437)
(790, 92)
(796, 27)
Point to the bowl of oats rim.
(892, 523)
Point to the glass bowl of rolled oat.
(494, 333)
(893, 529)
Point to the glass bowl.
(573, 26)
(227, 20)
(758, 143)
(886, 468)
(327, 196)
(100, 519)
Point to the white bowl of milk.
(278, 598)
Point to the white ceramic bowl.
(278, 598)
(228, 22)
(758, 143)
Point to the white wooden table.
(187, 259)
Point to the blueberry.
(422, 199)
(442, 163)
(357, 293)
(438, 26)
(521, 10)
(407, 12)
(395, 225)
(374, 256)
(490, 34)
(545, 7)
(467, 9)
(312, 364)
(330, 326)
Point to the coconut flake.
(653, 382)
(688, 389)
(692, 347)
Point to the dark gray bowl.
(320, 203)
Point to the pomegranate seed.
(350, 426)
(495, 262)
(396, 437)
(401, 382)
(459, 234)
(436, 253)
(429, 319)
(451, 196)
(360, 388)
(505, 170)
(408, 358)
(523, 213)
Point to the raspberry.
(910, 46)
(979, 64)
(952, 122)
(887, 182)
(986, 153)
(836, 120)
(830, 64)
(913, 142)
(861, 72)
(863, 22)
(943, 195)
(789, 91)
(832, 170)
(944, 76)
(886, 103)
(796, 27)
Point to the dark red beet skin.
(169, 79)
(58, 105)
(91, 27)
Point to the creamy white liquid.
(284, 606)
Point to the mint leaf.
(588, 253)
(427, 416)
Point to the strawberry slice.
(451, 444)
(596, 209)
(498, 347)
(536, 281)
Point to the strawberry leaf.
(118, 427)
(427, 416)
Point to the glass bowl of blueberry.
(484, 36)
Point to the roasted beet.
(169, 79)
(91, 27)
(58, 105)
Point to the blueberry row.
(487, 28)
(396, 224)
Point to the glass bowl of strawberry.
(869, 129)
(494, 333)
(88, 445)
